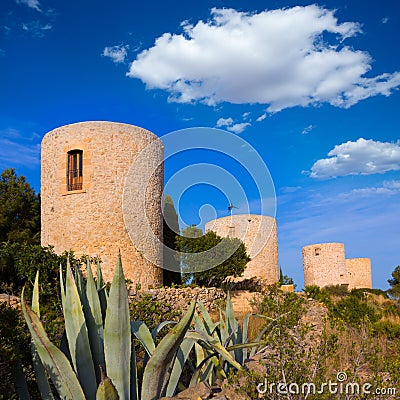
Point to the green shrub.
(354, 311)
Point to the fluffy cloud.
(116, 53)
(279, 58)
(363, 157)
(229, 124)
(31, 4)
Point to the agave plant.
(96, 359)
(218, 346)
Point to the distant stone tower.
(324, 264)
(259, 234)
(84, 167)
(359, 273)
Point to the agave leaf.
(35, 295)
(79, 284)
(94, 322)
(210, 343)
(62, 287)
(20, 382)
(199, 351)
(40, 372)
(223, 329)
(117, 335)
(41, 375)
(161, 325)
(180, 360)
(134, 377)
(208, 323)
(142, 332)
(246, 321)
(102, 290)
(64, 347)
(78, 340)
(158, 369)
(54, 360)
(234, 331)
(106, 390)
(210, 362)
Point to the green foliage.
(19, 209)
(152, 312)
(354, 311)
(293, 351)
(386, 329)
(171, 271)
(360, 293)
(14, 351)
(285, 308)
(200, 250)
(395, 283)
(337, 290)
(284, 279)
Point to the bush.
(354, 311)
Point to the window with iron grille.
(74, 171)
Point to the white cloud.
(279, 58)
(385, 20)
(31, 4)
(307, 130)
(116, 53)
(261, 117)
(229, 124)
(387, 188)
(363, 157)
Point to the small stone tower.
(259, 234)
(324, 264)
(359, 273)
(84, 168)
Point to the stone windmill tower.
(84, 171)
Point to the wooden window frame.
(74, 170)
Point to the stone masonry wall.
(90, 221)
(180, 298)
(259, 234)
(324, 264)
(359, 273)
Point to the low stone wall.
(180, 298)
(10, 300)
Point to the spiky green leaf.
(94, 322)
(78, 340)
(117, 335)
(53, 359)
(158, 369)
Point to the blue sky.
(312, 87)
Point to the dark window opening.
(317, 251)
(75, 171)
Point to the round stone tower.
(359, 273)
(84, 168)
(259, 234)
(324, 264)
